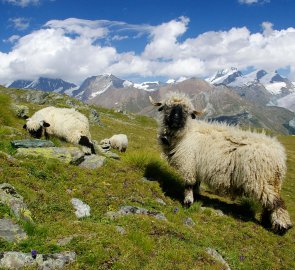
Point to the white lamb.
(117, 141)
(226, 158)
(67, 124)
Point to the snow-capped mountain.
(273, 82)
(225, 76)
(45, 84)
(96, 85)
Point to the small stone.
(94, 117)
(189, 222)
(212, 252)
(82, 209)
(160, 201)
(92, 162)
(120, 230)
(20, 111)
(112, 155)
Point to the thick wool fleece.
(67, 124)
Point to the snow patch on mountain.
(275, 88)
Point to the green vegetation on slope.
(48, 186)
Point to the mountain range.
(260, 99)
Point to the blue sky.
(144, 39)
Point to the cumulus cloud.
(250, 2)
(20, 23)
(74, 49)
(22, 3)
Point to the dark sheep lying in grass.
(227, 159)
(67, 124)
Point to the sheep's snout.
(176, 118)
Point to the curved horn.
(154, 102)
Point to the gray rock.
(213, 253)
(127, 210)
(120, 230)
(105, 150)
(16, 260)
(37, 97)
(94, 117)
(189, 222)
(15, 202)
(82, 209)
(65, 241)
(20, 111)
(92, 162)
(160, 201)
(11, 231)
(112, 155)
(63, 154)
(34, 143)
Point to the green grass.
(48, 186)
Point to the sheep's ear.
(195, 113)
(44, 124)
(154, 102)
(25, 126)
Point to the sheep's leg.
(275, 213)
(46, 135)
(84, 141)
(188, 195)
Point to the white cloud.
(250, 2)
(22, 3)
(20, 23)
(12, 39)
(73, 49)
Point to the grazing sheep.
(118, 141)
(227, 159)
(67, 124)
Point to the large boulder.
(64, 154)
(32, 143)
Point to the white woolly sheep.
(117, 141)
(67, 124)
(228, 159)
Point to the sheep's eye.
(161, 108)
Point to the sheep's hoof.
(188, 202)
(281, 230)
(281, 221)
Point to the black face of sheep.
(175, 116)
(37, 132)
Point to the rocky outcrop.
(32, 143)
(127, 210)
(9, 197)
(67, 155)
(10, 231)
(17, 260)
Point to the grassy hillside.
(148, 243)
